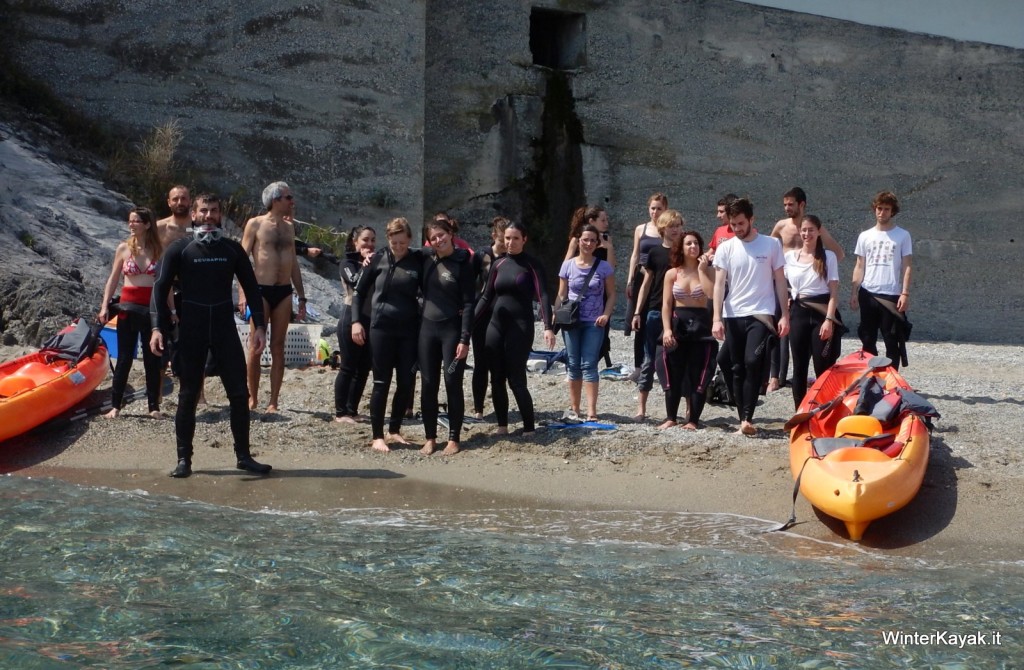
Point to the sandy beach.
(971, 497)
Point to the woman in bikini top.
(141, 250)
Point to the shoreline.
(969, 499)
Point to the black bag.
(567, 315)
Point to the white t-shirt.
(804, 279)
(750, 268)
(883, 252)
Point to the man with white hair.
(270, 240)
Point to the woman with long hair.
(597, 217)
(448, 285)
(813, 275)
(391, 284)
(136, 261)
(515, 282)
(591, 281)
(483, 259)
(645, 237)
(355, 359)
(686, 329)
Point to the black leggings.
(130, 325)
(480, 368)
(508, 344)
(691, 364)
(392, 353)
(807, 345)
(438, 340)
(210, 329)
(355, 368)
(875, 317)
(747, 339)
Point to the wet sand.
(970, 500)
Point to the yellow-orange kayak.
(857, 484)
(40, 386)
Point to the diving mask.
(206, 234)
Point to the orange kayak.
(40, 386)
(860, 483)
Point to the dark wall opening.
(558, 40)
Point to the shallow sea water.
(112, 579)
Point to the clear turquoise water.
(109, 579)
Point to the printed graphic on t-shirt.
(880, 252)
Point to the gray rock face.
(326, 96)
(58, 231)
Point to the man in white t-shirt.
(752, 265)
(881, 280)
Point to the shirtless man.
(178, 224)
(270, 239)
(787, 231)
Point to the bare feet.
(689, 425)
(773, 385)
(429, 447)
(156, 414)
(747, 428)
(592, 417)
(501, 430)
(380, 445)
(478, 415)
(345, 419)
(640, 418)
(451, 449)
(668, 424)
(272, 408)
(112, 414)
(252, 404)
(395, 438)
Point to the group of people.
(742, 304)
(177, 297)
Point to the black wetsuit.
(512, 286)
(207, 324)
(448, 286)
(483, 259)
(355, 359)
(691, 365)
(392, 289)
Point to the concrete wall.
(697, 99)
(325, 95)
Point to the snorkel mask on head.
(206, 233)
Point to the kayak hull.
(859, 484)
(37, 387)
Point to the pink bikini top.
(130, 267)
(679, 293)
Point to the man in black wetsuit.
(205, 265)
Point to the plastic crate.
(109, 336)
(299, 345)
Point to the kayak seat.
(12, 385)
(857, 425)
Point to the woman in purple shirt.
(597, 300)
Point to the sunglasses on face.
(285, 197)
